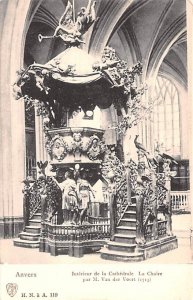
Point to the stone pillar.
(41, 153)
(12, 122)
(190, 102)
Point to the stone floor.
(182, 255)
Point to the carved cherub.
(40, 81)
(71, 31)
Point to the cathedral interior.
(96, 108)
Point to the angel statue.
(71, 31)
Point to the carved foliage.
(160, 189)
(112, 164)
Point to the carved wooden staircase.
(124, 247)
(30, 237)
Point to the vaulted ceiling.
(151, 31)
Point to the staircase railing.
(125, 209)
(42, 194)
(121, 197)
(31, 200)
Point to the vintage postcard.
(96, 149)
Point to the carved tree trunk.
(112, 210)
(168, 214)
(139, 222)
(26, 209)
(128, 180)
(155, 207)
(44, 213)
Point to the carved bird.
(152, 161)
(145, 178)
(166, 156)
(142, 179)
(42, 166)
(162, 186)
(139, 146)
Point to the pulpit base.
(74, 249)
(124, 252)
(157, 247)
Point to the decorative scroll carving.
(59, 146)
(56, 147)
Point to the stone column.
(12, 123)
(190, 102)
(41, 153)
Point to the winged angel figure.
(71, 31)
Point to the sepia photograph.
(96, 110)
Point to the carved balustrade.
(180, 201)
(79, 233)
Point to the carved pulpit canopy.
(76, 79)
(73, 79)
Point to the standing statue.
(69, 197)
(85, 192)
(71, 31)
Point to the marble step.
(130, 214)
(121, 256)
(133, 199)
(25, 243)
(36, 216)
(33, 229)
(124, 238)
(126, 230)
(127, 222)
(131, 207)
(35, 222)
(117, 246)
(29, 236)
